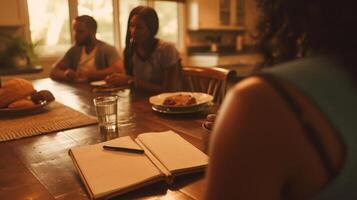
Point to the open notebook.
(110, 173)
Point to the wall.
(251, 18)
(14, 18)
(228, 37)
(207, 37)
(14, 22)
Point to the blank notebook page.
(173, 151)
(108, 171)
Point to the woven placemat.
(56, 117)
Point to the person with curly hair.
(289, 131)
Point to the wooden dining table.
(39, 167)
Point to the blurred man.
(89, 58)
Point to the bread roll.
(15, 89)
(42, 95)
(21, 103)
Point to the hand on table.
(118, 79)
(210, 121)
(87, 74)
(70, 74)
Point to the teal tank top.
(334, 92)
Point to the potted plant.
(16, 52)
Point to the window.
(102, 11)
(167, 13)
(50, 21)
(49, 25)
(168, 19)
(125, 6)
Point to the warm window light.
(54, 30)
(168, 16)
(168, 20)
(102, 11)
(49, 25)
(125, 6)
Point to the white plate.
(101, 83)
(200, 108)
(201, 98)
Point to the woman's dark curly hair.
(290, 28)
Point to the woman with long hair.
(289, 132)
(153, 64)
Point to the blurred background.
(206, 32)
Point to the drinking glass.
(107, 111)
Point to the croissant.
(15, 89)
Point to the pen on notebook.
(123, 149)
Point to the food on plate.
(42, 95)
(22, 103)
(20, 93)
(180, 100)
(15, 89)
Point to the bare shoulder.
(264, 142)
(256, 103)
(252, 87)
(255, 93)
(249, 134)
(262, 111)
(252, 132)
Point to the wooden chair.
(211, 80)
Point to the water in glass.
(106, 108)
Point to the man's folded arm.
(60, 71)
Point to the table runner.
(56, 117)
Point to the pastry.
(15, 89)
(180, 100)
(42, 95)
(21, 103)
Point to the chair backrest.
(211, 80)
